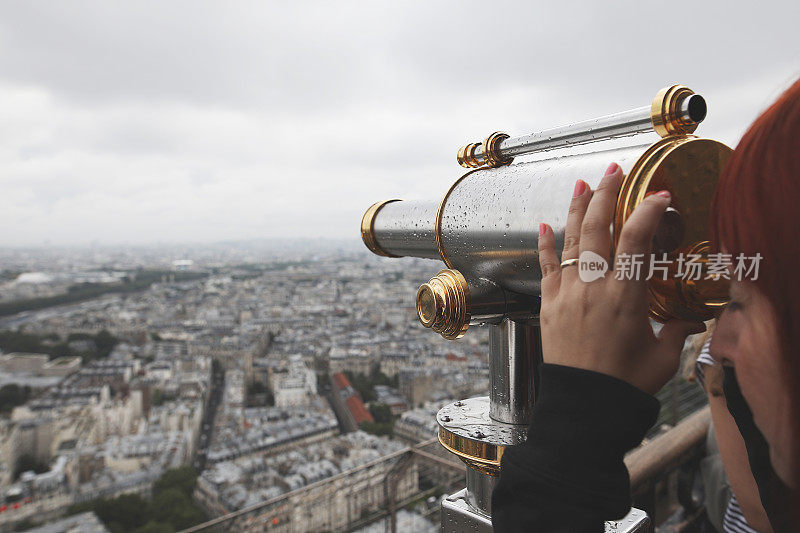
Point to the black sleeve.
(569, 475)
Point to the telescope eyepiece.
(694, 108)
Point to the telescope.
(485, 230)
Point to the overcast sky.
(194, 121)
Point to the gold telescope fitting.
(688, 168)
(443, 304)
(665, 111)
(481, 456)
(368, 229)
(491, 152)
(466, 156)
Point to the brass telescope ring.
(368, 229)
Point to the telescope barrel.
(395, 228)
(486, 225)
(675, 110)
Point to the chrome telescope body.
(486, 225)
(485, 230)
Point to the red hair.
(756, 209)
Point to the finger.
(636, 237)
(548, 262)
(572, 231)
(595, 232)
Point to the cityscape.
(267, 386)
(238, 234)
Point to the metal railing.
(267, 515)
(670, 460)
(666, 462)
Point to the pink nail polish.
(611, 169)
(542, 229)
(580, 188)
(664, 194)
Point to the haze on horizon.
(140, 122)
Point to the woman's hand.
(603, 325)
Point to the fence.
(353, 498)
(661, 473)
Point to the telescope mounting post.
(478, 430)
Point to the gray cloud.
(199, 121)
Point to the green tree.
(12, 395)
(377, 428)
(170, 510)
(155, 527)
(381, 412)
(128, 510)
(257, 387)
(362, 384)
(174, 507)
(17, 341)
(79, 337)
(157, 398)
(24, 525)
(183, 478)
(105, 343)
(80, 507)
(172, 498)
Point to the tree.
(174, 507)
(105, 343)
(80, 507)
(377, 428)
(381, 412)
(155, 527)
(363, 385)
(129, 510)
(17, 341)
(172, 498)
(257, 387)
(24, 525)
(171, 509)
(157, 398)
(183, 478)
(12, 395)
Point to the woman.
(595, 399)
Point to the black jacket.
(569, 475)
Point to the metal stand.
(477, 430)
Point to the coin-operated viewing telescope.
(485, 230)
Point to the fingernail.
(664, 194)
(611, 169)
(542, 229)
(580, 188)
